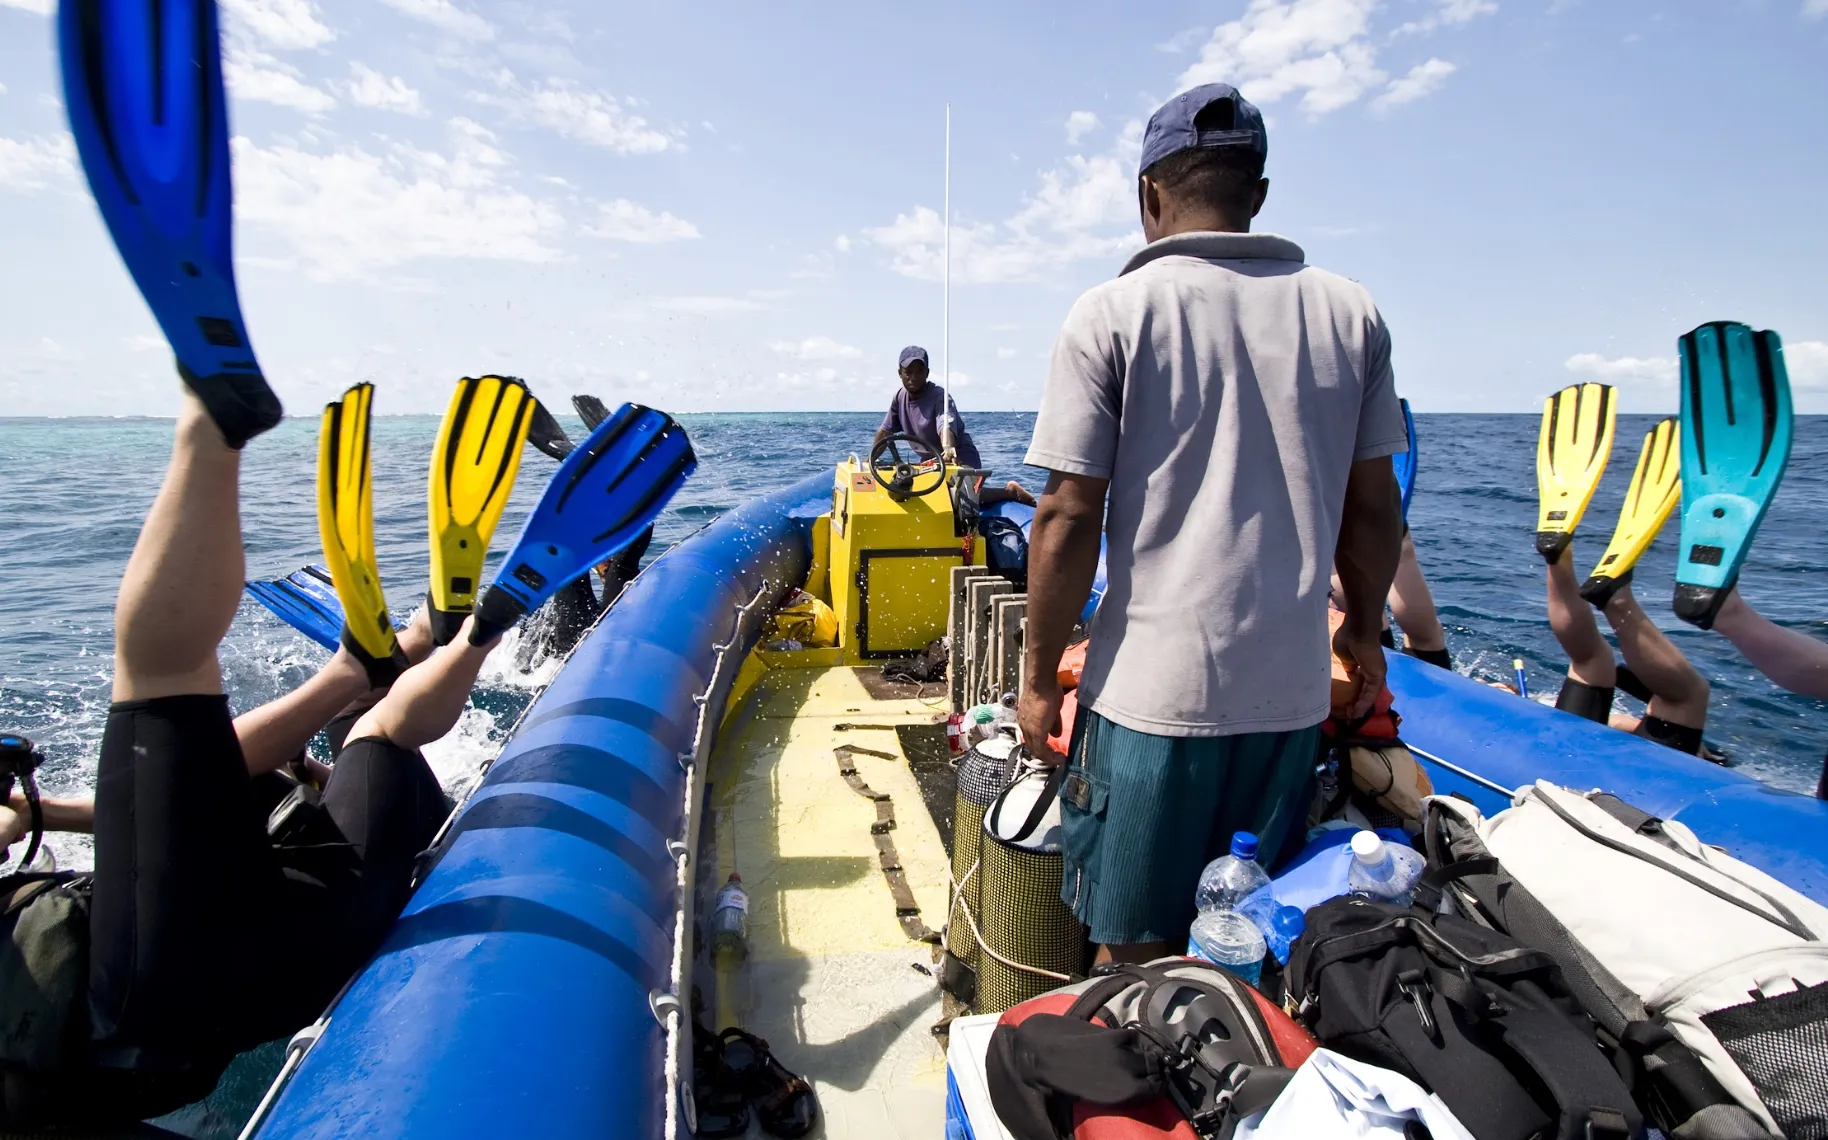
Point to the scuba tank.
(983, 773)
(1031, 942)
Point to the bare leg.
(279, 730)
(1792, 660)
(1589, 657)
(426, 701)
(184, 580)
(1413, 605)
(1679, 692)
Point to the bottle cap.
(1244, 845)
(1290, 922)
(1368, 846)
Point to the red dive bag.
(1178, 1049)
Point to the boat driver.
(918, 408)
(206, 935)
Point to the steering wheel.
(901, 478)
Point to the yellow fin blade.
(474, 465)
(345, 519)
(1571, 453)
(1656, 489)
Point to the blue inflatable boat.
(540, 981)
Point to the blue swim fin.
(604, 495)
(1404, 464)
(306, 601)
(143, 86)
(1736, 429)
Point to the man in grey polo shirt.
(1237, 409)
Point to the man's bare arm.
(1370, 545)
(1062, 561)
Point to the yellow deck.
(832, 976)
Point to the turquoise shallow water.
(75, 490)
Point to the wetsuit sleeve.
(1082, 402)
(1380, 416)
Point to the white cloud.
(1807, 360)
(349, 212)
(708, 306)
(816, 348)
(1811, 8)
(288, 25)
(1320, 48)
(1185, 40)
(1623, 369)
(445, 16)
(1423, 79)
(1006, 354)
(1078, 125)
(842, 244)
(1447, 14)
(143, 342)
(256, 75)
(623, 220)
(32, 164)
(576, 113)
(369, 88)
(36, 7)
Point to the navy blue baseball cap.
(1210, 116)
(912, 353)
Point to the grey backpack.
(1707, 977)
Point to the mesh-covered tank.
(983, 773)
(1032, 942)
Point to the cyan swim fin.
(474, 462)
(1656, 487)
(305, 600)
(603, 497)
(143, 86)
(1736, 428)
(590, 409)
(1404, 464)
(345, 521)
(1571, 454)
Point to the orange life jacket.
(1382, 721)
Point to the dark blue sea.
(72, 493)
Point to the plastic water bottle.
(980, 723)
(730, 924)
(1226, 938)
(1382, 872)
(1230, 879)
(1286, 925)
(729, 935)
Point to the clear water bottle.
(1383, 872)
(730, 924)
(1226, 938)
(980, 723)
(1230, 879)
(1287, 925)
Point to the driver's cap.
(912, 353)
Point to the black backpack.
(1479, 1019)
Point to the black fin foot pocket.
(1550, 544)
(241, 404)
(1598, 590)
(1700, 605)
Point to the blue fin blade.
(306, 601)
(603, 496)
(1736, 432)
(1404, 464)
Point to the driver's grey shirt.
(918, 416)
(1225, 389)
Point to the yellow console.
(890, 564)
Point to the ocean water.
(73, 492)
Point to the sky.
(733, 207)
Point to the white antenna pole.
(945, 325)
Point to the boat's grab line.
(1507, 793)
(907, 908)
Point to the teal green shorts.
(1141, 815)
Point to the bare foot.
(1019, 493)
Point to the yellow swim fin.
(1656, 488)
(1571, 456)
(473, 467)
(345, 520)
